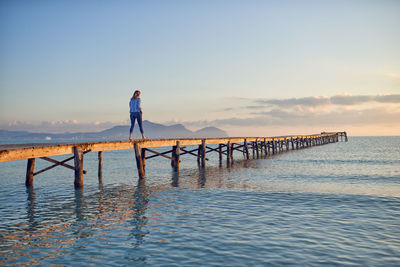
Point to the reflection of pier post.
(175, 178)
(79, 203)
(31, 205)
(202, 177)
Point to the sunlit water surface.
(337, 204)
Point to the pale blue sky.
(198, 62)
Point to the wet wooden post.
(273, 146)
(257, 149)
(173, 157)
(228, 154)
(220, 153)
(29, 172)
(203, 153)
(176, 156)
(143, 155)
(232, 150)
(78, 159)
(139, 161)
(198, 154)
(100, 168)
(287, 144)
(246, 149)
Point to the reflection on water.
(59, 225)
(294, 208)
(139, 219)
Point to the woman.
(136, 113)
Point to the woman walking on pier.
(136, 113)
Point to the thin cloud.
(305, 101)
(318, 101)
(59, 126)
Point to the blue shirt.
(134, 105)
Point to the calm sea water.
(337, 204)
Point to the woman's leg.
(139, 119)
(132, 125)
(132, 122)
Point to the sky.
(251, 68)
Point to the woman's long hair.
(135, 94)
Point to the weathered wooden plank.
(26, 151)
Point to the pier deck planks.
(12, 152)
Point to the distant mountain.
(210, 132)
(151, 130)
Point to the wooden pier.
(259, 147)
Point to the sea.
(336, 204)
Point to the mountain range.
(151, 130)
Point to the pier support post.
(78, 159)
(220, 153)
(203, 153)
(144, 160)
(139, 161)
(228, 154)
(246, 149)
(176, 156)
(257, 149)
(29, 172)
(100, 169)
(273, 146)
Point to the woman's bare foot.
(130, 138)
(144, 137)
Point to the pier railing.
(259, 146)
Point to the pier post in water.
(203, 153)
(29, 172)
(100, 169)
(139, 161)
(220, 153)
(78, 159)
(228, 154)
(246, 149)
(176, 156)
(143, 155)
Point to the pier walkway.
(260, 146)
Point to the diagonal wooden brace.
(59, 163)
